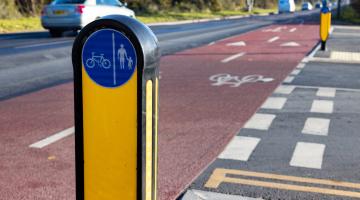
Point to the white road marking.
(316, 126)
(54, 138)
(290, 44)
(318, 87)
(260, 121)
(271, 40)
(322, 106)
(42, 44)
(241, 43)
(292, 30)
(284, 89)
(295, 72)
(233, 57)
(289, 79)
(274, 103)
(349, 56)
(309, 155)
(211, 43)
(240, 148)
(326, 92)
(300, 65)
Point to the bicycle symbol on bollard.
(99, 60)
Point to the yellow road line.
(219, 176)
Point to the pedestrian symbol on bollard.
(109, 67)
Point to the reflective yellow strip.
(110, 140)
(156, 135)
(219, 176)
(148, 165)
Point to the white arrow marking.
(241, 43)
(271, 40)
(290, 44)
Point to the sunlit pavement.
(302, 143)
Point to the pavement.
(302, 142)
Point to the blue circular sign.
(109, 58)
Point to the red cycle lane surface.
(196, 121)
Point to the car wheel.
(55, 33)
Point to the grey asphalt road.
(32, 61)
(310, 148)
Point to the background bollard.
(116, 60)
(325, 24)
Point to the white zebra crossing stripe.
(316, 126)
(240, 148)
(274, 103)
(289, 79)
(260, 121)
(326, 92)
(295, 72)
(308, 155)
(284, 89)
(322, 106)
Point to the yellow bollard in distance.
(325, 26)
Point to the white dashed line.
(284, 89)
(233, 57)
(274, 103)
(290, 44)
(292, 30)
(240, 148)
(289, 79)
(326, 92)
(309, 155)
(241, 43)
(322, 106)
(54, 138)
(295, 72)
(316, 126)
(271, 40)
(260, 121)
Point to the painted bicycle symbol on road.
(236, 81)
(101, 61)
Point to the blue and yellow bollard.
(116, 80)
(325, 24)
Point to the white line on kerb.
(271, 40)
(54, 138)
(260, 121)
(233, 57)
(240, 148)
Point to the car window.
(69, 1)
(108, 2)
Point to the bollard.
(116, 70)
(325, 24)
